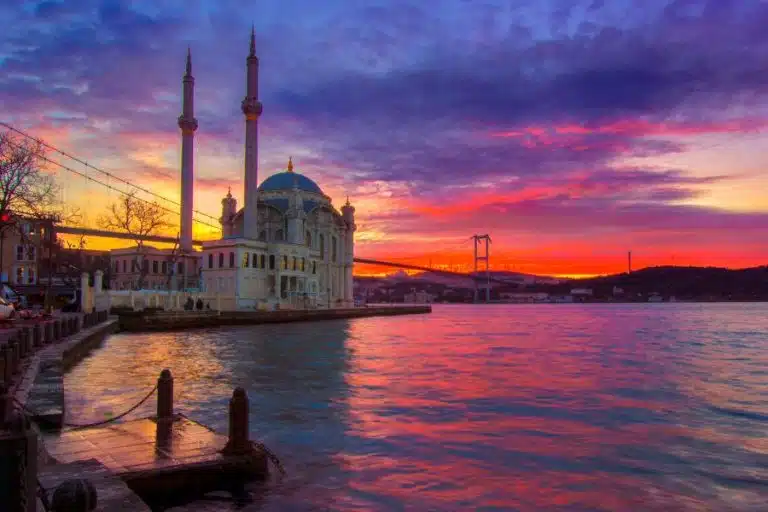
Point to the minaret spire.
(252, 110)
(188, 125)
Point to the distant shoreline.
(591, 303)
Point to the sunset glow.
(570, 134)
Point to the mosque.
(287, 246)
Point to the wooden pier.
(128, 464)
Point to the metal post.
(476, 240)
(487, 270)
(165, 396)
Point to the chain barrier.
(32, 414)
(270, 455)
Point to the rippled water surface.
(551, 407)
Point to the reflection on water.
(551, 407)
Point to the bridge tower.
(188, 125)
(484, 257)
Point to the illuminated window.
(284, 264)
(245, 260)
(301, 265)
(293, 264)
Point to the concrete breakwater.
(172, 320)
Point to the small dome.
(286, 180)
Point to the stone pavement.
(113, 495)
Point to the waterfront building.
(150, 268)
(288, 246)
(20, 250)
(418, 297)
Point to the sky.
(571, 131)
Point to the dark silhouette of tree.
(138, 218)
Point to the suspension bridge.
(112, 182)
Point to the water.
(550, 407)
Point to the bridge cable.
(107, 173)
(110, 187)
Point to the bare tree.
(139, 219)
(29, 195)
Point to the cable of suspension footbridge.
(102, 171)
(110, 187)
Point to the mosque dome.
(287, 179)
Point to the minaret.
(228, 211)
(348, 214)
(188, 125)
(252, 110)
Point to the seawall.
(174, 320)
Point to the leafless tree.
(139, 219)
(29, 194)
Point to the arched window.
(333, 249)
(314, 267)
(245, 259)
(263, 236)
(221, 259)
(231, 259)
(301, 265)
(322, 246)
(293, 264)
(210, 260)
(261, 261)
(308, 239)
(271, 262)
(279, 235)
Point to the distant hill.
(685, 282)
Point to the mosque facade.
(288, 246)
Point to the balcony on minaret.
(252, 108)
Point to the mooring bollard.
(7, 363)
(37, 335)
(14, 347)
(74, 495)
(238, 442)
(5, 403)
(26, 340)
(165, 396)
(18, 458)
